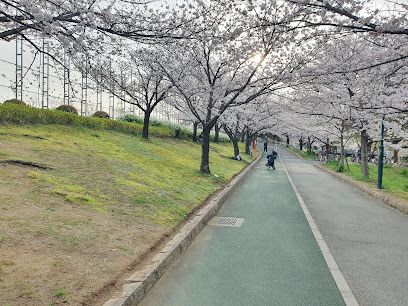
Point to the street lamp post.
(381, 158)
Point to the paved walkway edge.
(342, 285)
(294, 152)
(139, 283)
(398, 204)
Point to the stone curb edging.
(139, 283)
(344, 288)
(400, 205)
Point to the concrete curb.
(139, 283)
(398, 204)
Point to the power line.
(29, 91)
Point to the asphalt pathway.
(368, 239)
(271, 259)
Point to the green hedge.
(178, 130)
(18, 114)
(67, 109)
(14, 101)
(101, 114)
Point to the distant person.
(271, 159)
(265, 146)
(253, 147)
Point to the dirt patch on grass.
(25, 163)
(54, 252)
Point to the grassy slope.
(304, 154)
(108, 198)
(395, 179)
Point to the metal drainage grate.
(227, 221)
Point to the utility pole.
(111, 90)
(45, 74)
(19, 67)
(381, 157)
(84, 88)
(99, 91)
(66, 78)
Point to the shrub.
(222, 137)
(132, 118)
(67, 109)
(14, 101)
(162, 127)
(101, 114)
(340, 167)
(404, 172)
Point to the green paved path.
(272, 259)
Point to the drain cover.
(227, 221)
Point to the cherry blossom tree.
(356, 15)
(232, 64)
(351, 100)
(246, 122)
(134, 79)
(78, 20)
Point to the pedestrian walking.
(265, 146)
(254, 145)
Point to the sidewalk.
(271, 259)
(368, 239)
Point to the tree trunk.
(146, 123)
(369, 145)
(217, 133)
(309, 145)
(243, 136)
(301, 144)
(287, 140)
(205, 151)
(327, 150)
(236, 147)
(342, 157)
(395, 157)
(195, 126)
(364, 153)
(248, 142)
(234, 139)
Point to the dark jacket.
(275, 154)
(271, 158)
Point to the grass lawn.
(395, 179)
(109, 196)
(305, 155)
